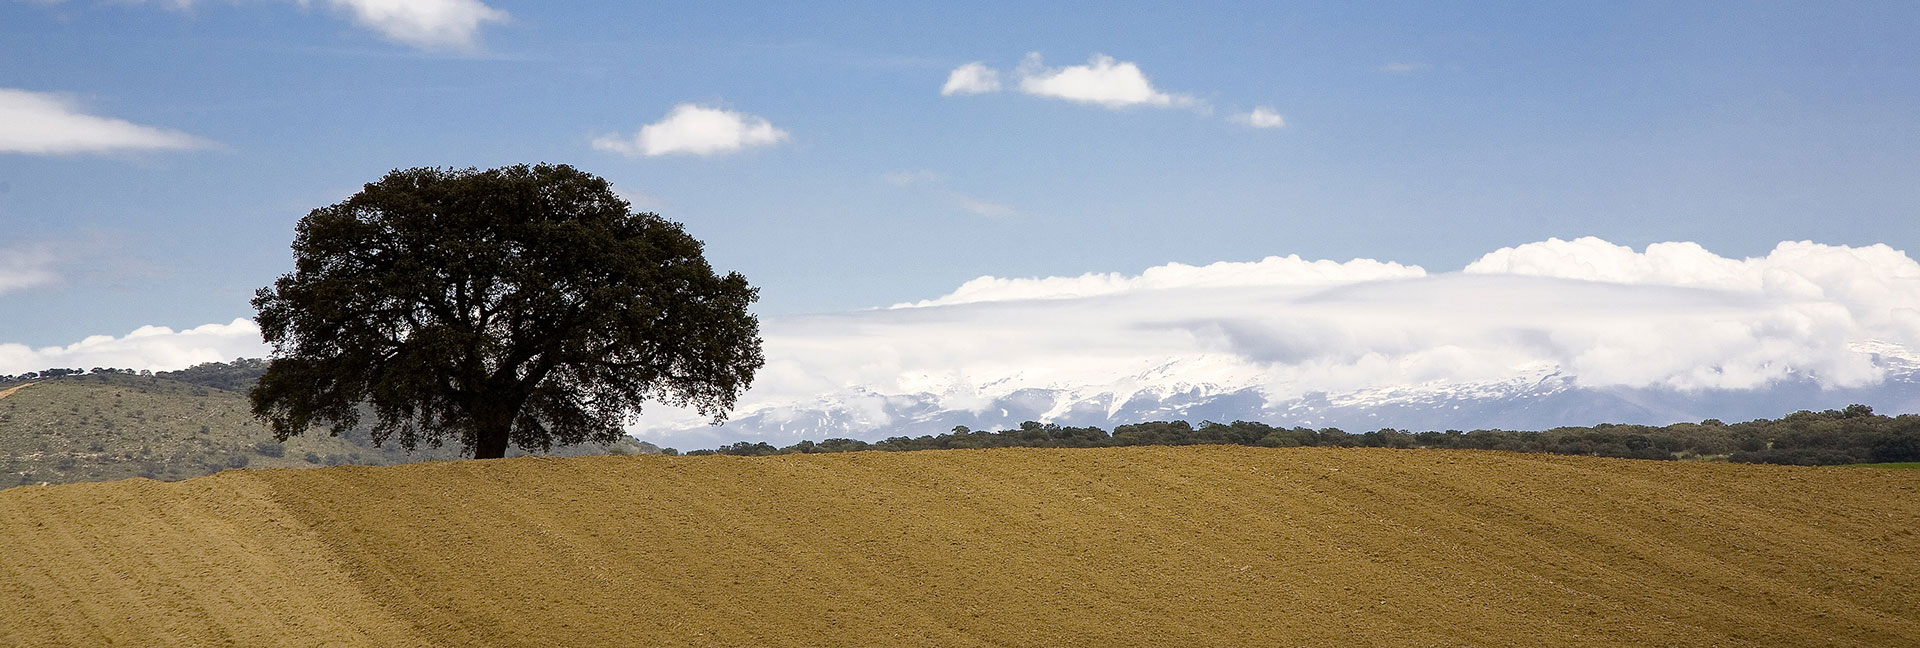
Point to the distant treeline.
(1845, 436)
(236, 376)
(59, 372)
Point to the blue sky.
(1421, 133)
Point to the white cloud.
(1102, 81)
(425, 24)
(42, 123)
(1672, 316)
(1877, 285)
(972, 78)
(26, 267)
(148, 347)
(1404, 67)
(1261, 117)
(1272, 271)
(695, 130)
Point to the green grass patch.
(1904, 465)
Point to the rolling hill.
(113, 426)
(1180, 546)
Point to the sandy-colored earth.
(10, 390)
(1197, 546)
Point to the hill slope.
(1015, 547)
(108, 426)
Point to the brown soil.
(1197, 546)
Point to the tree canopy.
(525, 304)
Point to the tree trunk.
(490, 441)
(493, 412)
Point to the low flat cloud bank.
(148, 347)
(1671, 316)
(1272, 271)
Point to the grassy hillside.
(1184, 546)
(112, 426)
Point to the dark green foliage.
(522, 304)
(55, 372)
(1852, 435)
(237, 376)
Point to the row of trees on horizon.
(236, 376)
(59, 372)
(1854, 434)
(1834, 437)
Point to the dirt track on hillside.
(10, 390)
(1217, 546)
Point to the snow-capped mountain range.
(1534, 336)
(1533, 399)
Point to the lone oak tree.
(525, 304)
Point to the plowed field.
(1196, 546)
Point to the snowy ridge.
(1222, 388)
(1895, 359)
(1548, 333)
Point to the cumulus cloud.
(1261, 117)
(695, 130)
(26, 267)
(1671, 316)
(972, 78)
(148, 347)
(1878, 286)
(425, 24)
(44, 123)
(1102, 81)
